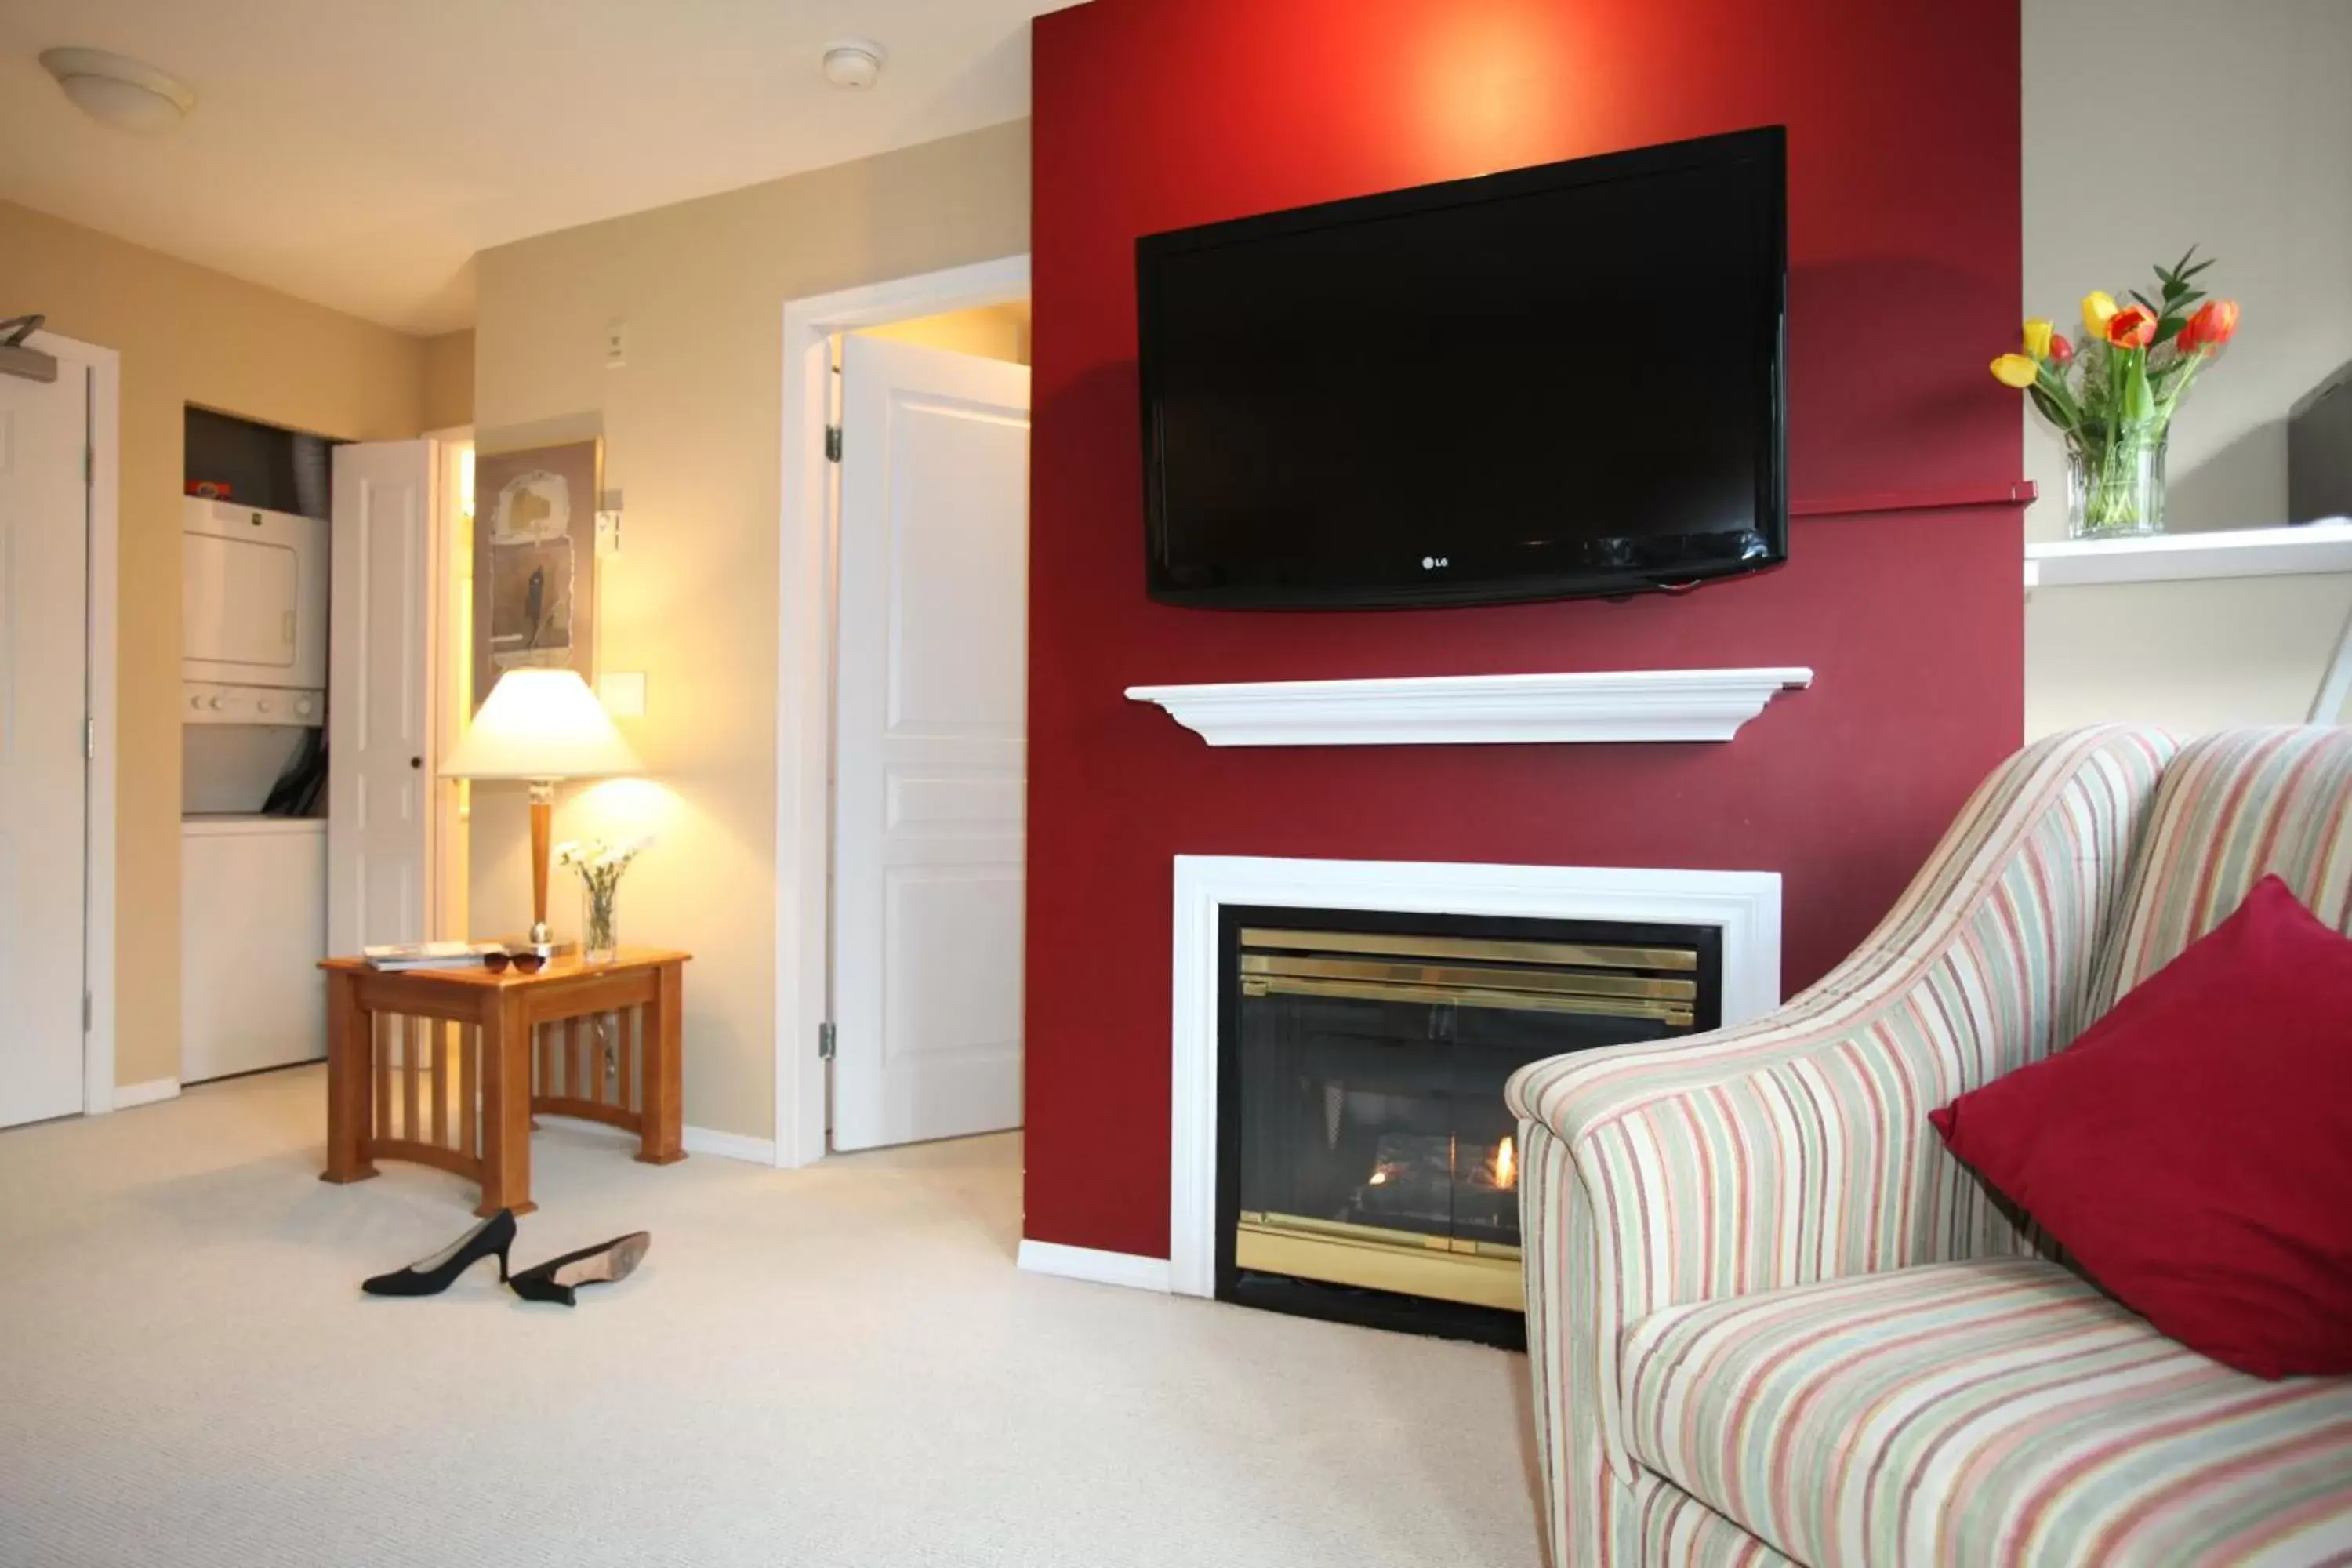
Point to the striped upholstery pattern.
(1796, 1149)
(2234, 808)
(1671, 1525)
(1992, 1412)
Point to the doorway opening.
(324, 615)
(930, 525)
(901, 734)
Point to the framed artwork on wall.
(535, 560)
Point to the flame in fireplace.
(1507, 1165)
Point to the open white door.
(931, 745)
(44, 703)
(379, 706)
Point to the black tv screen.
(1546, 383)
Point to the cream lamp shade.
(540, 724)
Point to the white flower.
(600, 861)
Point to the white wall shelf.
(2187, 557)
(1478, 710)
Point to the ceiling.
(358, 152)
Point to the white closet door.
(379, 751)
(931, 744)
(44, 703)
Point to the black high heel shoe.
(431, 1276)
(601, 1264)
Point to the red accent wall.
(1904, 236)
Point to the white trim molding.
(1100, 1268)
(805, 662)
(129, 1096)
(728, 1146)
(1744, 905)
(1478, 710)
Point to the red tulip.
(2061, 350)
(2215, 323)
(2133, 327)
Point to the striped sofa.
(1771, 1319)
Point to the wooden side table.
(446, 1067)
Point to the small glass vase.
(2115, 491)
(600, 939)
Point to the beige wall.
(2249, 154)
(990, 332)
(690, 427)
(185, 335)
(449, 381)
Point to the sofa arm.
(1797, 1148)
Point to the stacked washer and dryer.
(253, 860)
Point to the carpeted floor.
(837, 1366)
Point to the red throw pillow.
(2193, 1149)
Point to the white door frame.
(448, 801)
(804, 658)
(99, 619)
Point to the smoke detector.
(115, 90)
(854, 63)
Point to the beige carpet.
(837, 1366)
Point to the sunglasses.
(524, 962)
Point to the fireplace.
(1740, 908)
(1367, 1168)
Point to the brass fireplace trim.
(1679, 1014)
(1563, 982)
(1479, 949)
(1375, 1234)
(1377, 1259)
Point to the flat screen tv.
(1553, 383)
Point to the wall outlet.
(616, 344)
(623, 693)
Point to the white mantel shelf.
(1478, 710)
(2187, 557)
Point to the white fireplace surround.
(1744, 905)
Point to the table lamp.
(540, 726)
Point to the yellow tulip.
(2037, 338)
(2097, 305)
(2018, 371)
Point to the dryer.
(253, 605)
(253, 650)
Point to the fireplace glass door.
(1370, 1145)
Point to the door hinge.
(85, 1012)
(88, 467)
(824, 1041)
(89, 740)
(833, 443)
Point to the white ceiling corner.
(359, 153)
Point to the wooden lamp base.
(543, 825)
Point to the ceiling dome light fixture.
(854, 63)
(115, 90)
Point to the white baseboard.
(127, 1095)
(728, 1145)
(1088, 1263)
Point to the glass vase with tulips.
(2113, 399)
